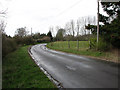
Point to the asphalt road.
(74, 71)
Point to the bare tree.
(2, 22)
(68, 28)
(2, 27)
(85, 21)
(78, 28)
(57, 28)
(82, 24)
(3, 13)
(21, 32)
(72, 27)
(68, 32)
(52, 31)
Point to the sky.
(42, 14)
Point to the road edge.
(55, 82)
(91, 57)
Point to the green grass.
(83, 49)
(20, 71)
(73, 45)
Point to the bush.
(45, 39)
(18, 40)
(27, 40)
(93, 43)
(8, 45)
(101, 46)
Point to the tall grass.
(20, 71)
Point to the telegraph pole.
(98, 22)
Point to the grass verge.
(83, 50)
(20, 71)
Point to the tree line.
(73, 29)
(85, 28)
(21, 38)
(110, 27)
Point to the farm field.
(83, 50)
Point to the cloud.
(41, 14)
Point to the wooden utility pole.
(77, 34)
(98, 22)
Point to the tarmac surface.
(74, 71)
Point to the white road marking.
(71, 68)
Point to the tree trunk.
(68, 44)
(77, 44)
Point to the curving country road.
(74, 71)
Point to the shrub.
(28, 40)
(8, 45)
(93, 43)
(44, 39)
(101, 46)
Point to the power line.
(64, 11)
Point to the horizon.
(40, 15)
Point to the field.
(20, 71)
(83, 50)
(73, 45)
(83, 47)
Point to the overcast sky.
(41, 14)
